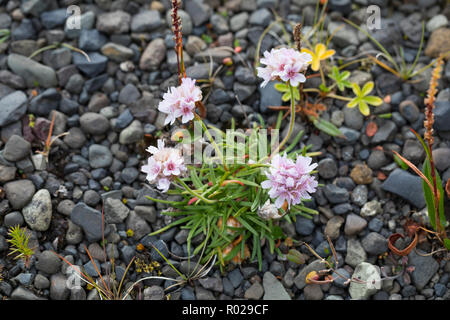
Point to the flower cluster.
(286, 64)
(289, 181)
(163, 165)
(180, 101)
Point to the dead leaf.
(394, 237)
(381, 176)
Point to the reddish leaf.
(447, 188)
(371, 129)
(192, 201)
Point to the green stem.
(194, 193)
(216, 147)
(38, 51)
(322, 76)
(335, 96)
(291, 122)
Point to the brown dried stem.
(176, 28)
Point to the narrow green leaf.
(295, 256)
(447, 243)
(373, 100)
(400, 163)
(327, 127)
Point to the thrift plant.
(235, 197)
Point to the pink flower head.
(290, 181)
(163, 165)
(180, 101)
(286, 64)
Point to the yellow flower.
(320, 53)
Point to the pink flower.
(290, 181)
(180, 101)
(286, 64)
(163, 165)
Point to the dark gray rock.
(354, 224)
(335, 194)
(94, 123)
(425, 267)
(260, 17)
(385, 133)
(92, 68)
(53, 18)
(442, 116)
(327, 168)
(99, 156)
(16, 148)
(89, 219)
(146, 21)
(199, 11)
(115, 22)
(255, 292)
(91, 40)
(58, 287)
(44, 103)
(304, 226)
(269, 96)
(441, 157)
(13, 107)
(19, 193)
(396, 183)
(154, 293)
(20, 293)
(32, 72)
(374, 243)
(48, 262)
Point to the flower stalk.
(428, 124)
(194, 193)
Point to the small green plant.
(199, 271)
(224, 205)
(207, 38)
(362, 99)
(49, 141)
(340, 78)
(431, 181)
(105, 285)
(4, 35)
(19, 244)
(401, 70)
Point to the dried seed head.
(268, 211)
(298, 36)
(429, 101)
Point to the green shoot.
(19, 244)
